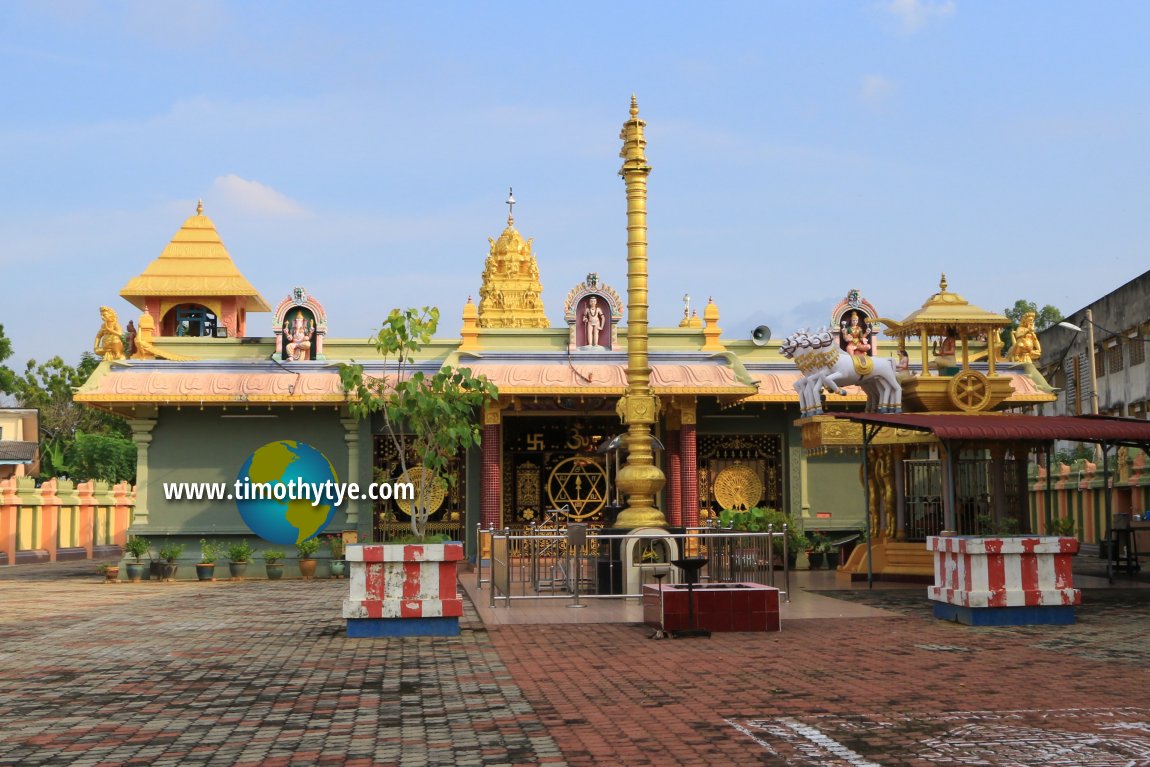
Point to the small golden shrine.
(953, 323)
(195, 274)
(511, 296)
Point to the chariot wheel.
(969, 391)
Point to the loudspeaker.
(760, 335)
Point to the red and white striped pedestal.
(1006, 581)
(403, 590)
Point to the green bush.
(170, 552)
(137, 546)
(209, 551)
(756, 520)
(308, 548)
(272, 556)
(1063, 527)
(240, 552)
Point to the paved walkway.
(261, 673)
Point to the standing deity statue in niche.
(298, 335)
(109, 342)
(593, 321)
(1024, 343)
(855, 337)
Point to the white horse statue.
(825, 365)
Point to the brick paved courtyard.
(261, 673)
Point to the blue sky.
(364, 150)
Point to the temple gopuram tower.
(511, 296)
(194, 288)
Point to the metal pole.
(868, 435)
(1049, 489)
(578, 576)
(479, 556)
(786, 566)
(1112, 545)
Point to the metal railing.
(550, 564)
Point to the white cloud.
(913, 15)
(252, 197)
(874, 91)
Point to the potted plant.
(111, 573)
(169, 553)
(209, 553)
(757, 520)
(306, 550)
(338, 565)
(832, 553)
(817, 552)
(432, 418)
(137, 546)
(275, 568)
(239, 554)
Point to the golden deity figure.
(109, 342)
(856, 336)
(1024, 343)
(298, 335)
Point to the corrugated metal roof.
(12, 451)
(1006, 427)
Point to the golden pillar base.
(640, 483)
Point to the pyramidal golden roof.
(195, 263)
(945, 310)
(512, 295)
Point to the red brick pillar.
(690, 472)
(674, 479)
(491, 503)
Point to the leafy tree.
(100, 456)
(1043, 318)
(436, 415)
(7, 377)
(48, 387)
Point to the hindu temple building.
(204, 388)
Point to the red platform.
(718, 607)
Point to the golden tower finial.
(711, 331)
(640, 480)
(200, 207)
(510, 207)
(511, 295)
(942, 283)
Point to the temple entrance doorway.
(551, 463)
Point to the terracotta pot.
(307, 568)
(111, 574)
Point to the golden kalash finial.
(200, 207)
(510, 207)
(640, 480)
(942, 283)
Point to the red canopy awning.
(1008, 427)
